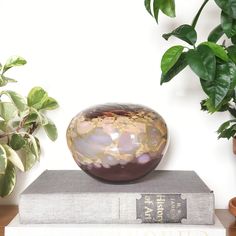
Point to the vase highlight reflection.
(117, 142)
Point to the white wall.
(89, 52)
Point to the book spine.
(189, 208)
(192, 208)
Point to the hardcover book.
(71, 196)
(17, 229)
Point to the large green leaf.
(218, 88)
(170, 57)
(17, 99)
(178, 66)
(215, 34)
(156, 9)
(184, 32)
(227, 131)
(232, 53)
(167, 7)
(202, 61)
(13, 157)
(3, 160)
(13, 61)
(228, 25)
(218, 50)
(147, 4)
(17, 141)
(51, 130)
(49, 104)
(7, 180)
(7, 111)
(228, 6)
(36, 97)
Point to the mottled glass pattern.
(117, 142)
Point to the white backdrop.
(90, 52)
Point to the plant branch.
(32, 128)
(195, 20)
(17, 129)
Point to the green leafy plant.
(20, 118)
(213, 62)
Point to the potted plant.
(20, 118)
(212, 61)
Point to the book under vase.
(71, 196)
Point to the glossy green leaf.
(7, 111)
(36, 97)
(228, 25)
(13, 61)
(218, 50)
(218, 88)
(232, 53)
(7, 180)
(49, 104)
(215, 34)
(227, 129)
(178, 66)
(167, 7)
(232, 69)
(17, 99)
(156, 9)
(228, 6)
(3, 160)
(202, 61)
(147, 4)
(51, 130)
(184, 32)
(225, 125)
(170, 57)
(13, 157)
(17, 142)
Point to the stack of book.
(164, 203)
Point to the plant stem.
(195, 20)
(16, 130)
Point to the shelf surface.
(7, 213)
